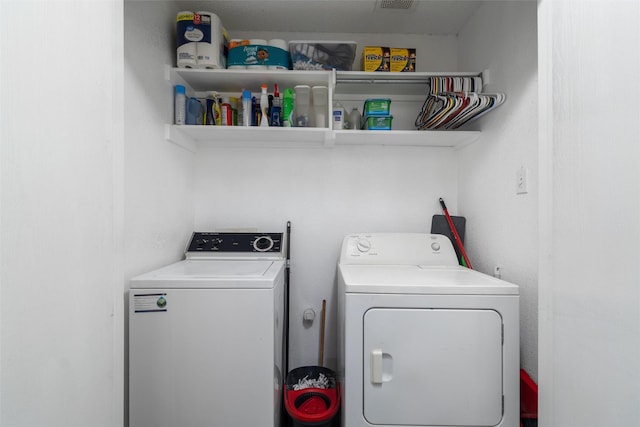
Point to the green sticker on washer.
(161, 302)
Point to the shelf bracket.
(486, 77)
(329, 138)
(333, 80)
(180, 139)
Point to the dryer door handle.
(381, 366)
(376, 366)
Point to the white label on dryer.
(149, 303)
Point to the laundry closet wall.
(325, 193)
(158, 174)
(61, 275)
(503, 227)
(329, 193)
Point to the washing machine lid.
(213, 274)
(416, 279)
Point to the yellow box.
(376, 58)
(403, 60)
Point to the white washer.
(206, 335)
(423, 341)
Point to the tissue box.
(322, 55)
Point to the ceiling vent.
(396, 4)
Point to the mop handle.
(456, 237)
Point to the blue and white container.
(187, 35)
(201, 40)
(180, 105)
(259, 54)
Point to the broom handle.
(322, 321)
(456, 237)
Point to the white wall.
(158, 195)
(316, 189)
(502, 226)
(61, 308)
(434, 52)
(326, 194)
(589, 213)
(158, 174)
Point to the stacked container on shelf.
(377, 114)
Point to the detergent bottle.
(287, 108)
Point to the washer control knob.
(363, 245)
(215, 243)
(263, 243)
(435, 246)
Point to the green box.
(377, 107)
(377, 122)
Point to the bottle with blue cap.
(180, 107)
(246, 108)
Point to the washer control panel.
(211, 242)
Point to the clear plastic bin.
(322, 55)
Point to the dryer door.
(432, 367)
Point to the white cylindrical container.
(280, 44)
(180, 105)
(302, 112)
(186, 37)
(320, 105)
(355, 119)
(210, 50)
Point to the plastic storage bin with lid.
(377, 122)
(377, 107)
(322, 55)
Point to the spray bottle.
(287, 108)
(213, 114)
(264, 105)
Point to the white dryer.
(423, 341)
(206, 335)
